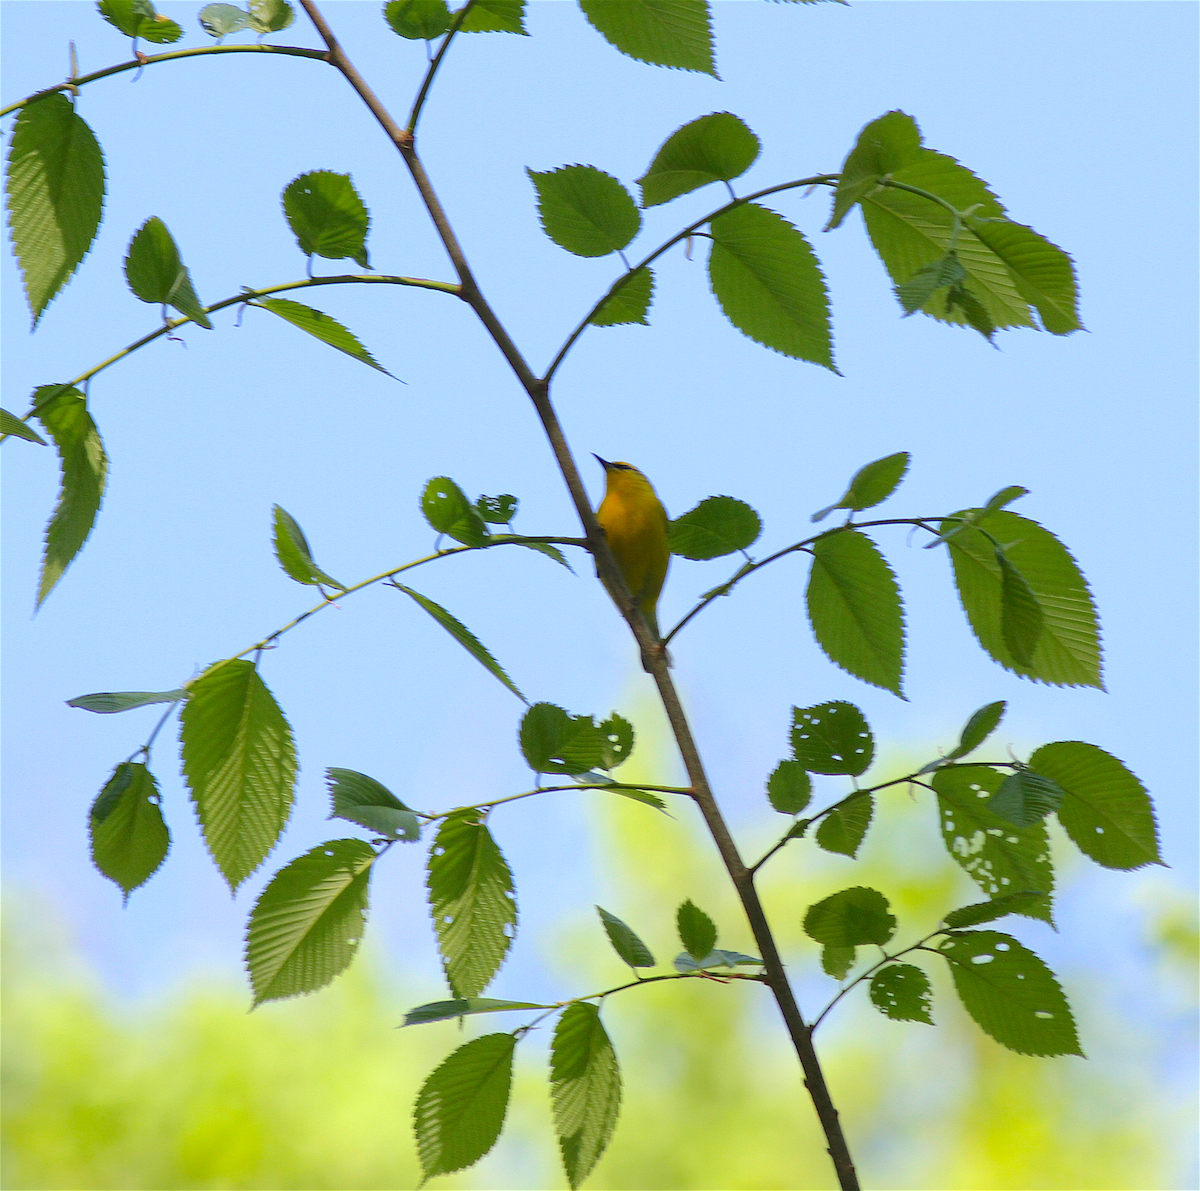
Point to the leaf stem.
(427, 81)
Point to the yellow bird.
(635, 524)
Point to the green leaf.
(1020, 613)
(129, 838)
(769, 285)
(10, 424)
(851, 918)
(902, 992)
(292, 550)
(220, 20)
(327, 216)
(964, 301)
(855, 610)
(308, 923)
(871, 485)
(998, 907)
(714, 959)
(585, 1089)
(109, 702)
(62, 410)
(446, 508)
(362, 800)
(1000, 858)
(461, 1106)
(55, 195)
(270, 16)
(617, 735)
(496, 16)
(240, 763)
(977, 729)
(463, 1007)
(1068, 648)
(464, 637)
(716, 148)
(539, 547)
(718, 525)
(417, 20)
(643, 796)
(1011, 993)
(832, 738)
(585, 210)
(789, 788)
(321, 326)
(554, 741)
(138, 18)
(1025, 797)
(156, 272)
(942, 273)
(625, 943)
(497, 510)
(697, 931)
(628, 301)
(1004, 497)
(676, 33)
(472, 903)
(843, 828)
(883, 146)
(837, 961)
(1105, 809)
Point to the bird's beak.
(604, 463)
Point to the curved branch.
(427, 81)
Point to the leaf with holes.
(718, 525)
(585, 1089)
(716, 148)
(628, 301)
(497, 510)
(1000, 858)
(1011, 993)
(321, 326)
(675, 33)
(294, 554)
(362, 800)
(789, 788)
(585, 210)
(1105, 809)
(461, 1106)
(832, 738)
(1025, 797)
(240, 764)
(617, 734)
(472, 903)
(129, 838)
(843, 828)
(308, 923)
(625, 943)
(851, 918)
(902, 992)
(697, 931)
(327, 216)
(554, 741)
(156, 272)
(446, 507)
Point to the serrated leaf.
(832, 738)
(789, 788)
(156, 272)
(855, 610)
(463, 1007)
(1068, 648)
(54, 190)
(585, 1089)
(308, 923)
(240, 764)
(327, 216)
(1005, 496)
(883, 146)
(874, 482)
(110, 702)
(1025, 797)
(644, 796)
(464, 637)
(220, 20)
(769, 285)
(461, 1106)
(618, 737)
(496, 16)
(997, 856)
(538, 547)
(942, 273)
(445, 506)
(851, 918)
(1011, 993)
(554, 741)
(321, 326)
(292, 550)
(625, 943)
(902, 992)
(628, 302)
(1020, 613)
(697, 931)
(362, 800)
(62, 410)
(718, 525)
(843, 828)
(998, 907)
(129, 838)
(585, 210)
(716, 148)
(837, 961)
(977, 729)
(962, 300)
(472, 903)
(138, 18)
(1105, 809)
(497, 510)
(10, 424)
(270, 16)
(714, 959)
(675, 33)
(417, 20)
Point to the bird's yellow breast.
(635, 524)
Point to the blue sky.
(1081, 116)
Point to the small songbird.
(635, 524)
